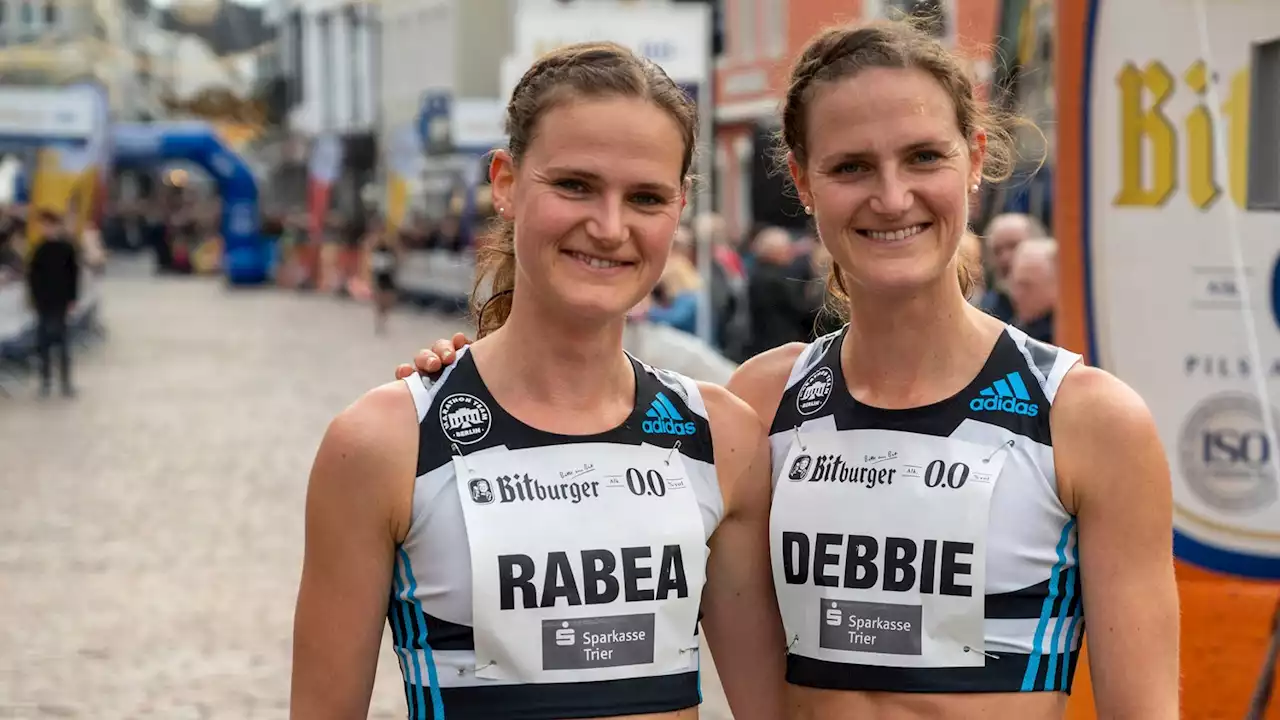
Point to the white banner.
(478, 123)
(673, 36)
(51, 113)
(1169, 312)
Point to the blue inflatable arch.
(246, 256)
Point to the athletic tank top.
(925, 549)
(547, 576)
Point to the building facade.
(761, 37)
(329, 61)
(441, 104)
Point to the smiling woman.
(602, 506)
(551, 94)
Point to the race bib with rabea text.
(587, 561)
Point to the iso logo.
(1227, 459)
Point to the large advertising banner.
(1168, 191)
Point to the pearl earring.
(808, 210)
(501, 210)
(976, 186)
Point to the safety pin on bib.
(463, 671)
(671, 452)
(461, 457)
(794, 638)
(1003, 446)
(799, 441)
(981, 652)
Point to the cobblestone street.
(151, 529)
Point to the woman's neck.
(538, 359)
(911, 350)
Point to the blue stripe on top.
(1046, 610)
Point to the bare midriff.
(814, 704)
(686, 714)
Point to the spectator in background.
(53, 278)
(1004, 234)
(971, 253)
(156, 234)
(675, 301)
(822, 320)
(782, 311)
(10, 258)
(93, 252)
(1033, 287)
(728, 286)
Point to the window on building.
(1264, 133)
(51, 13)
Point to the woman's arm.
(358, 502)
(1113, 474)
(740, 610)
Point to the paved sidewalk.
(151, 529)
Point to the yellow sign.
(1149, 138)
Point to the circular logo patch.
(815, 390)
(464, 418)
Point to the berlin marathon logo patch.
(1008, 395)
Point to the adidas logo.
(664, 419)
(1006, 395)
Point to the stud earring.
(808, 210)
(976, 186)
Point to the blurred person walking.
(1033, 287)
(53, 280)
(384, 262)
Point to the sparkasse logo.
(664, 419)
(1008, 395)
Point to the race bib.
(878, 543)
(588, 561)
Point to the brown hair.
(840, 52)
(593, 70)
